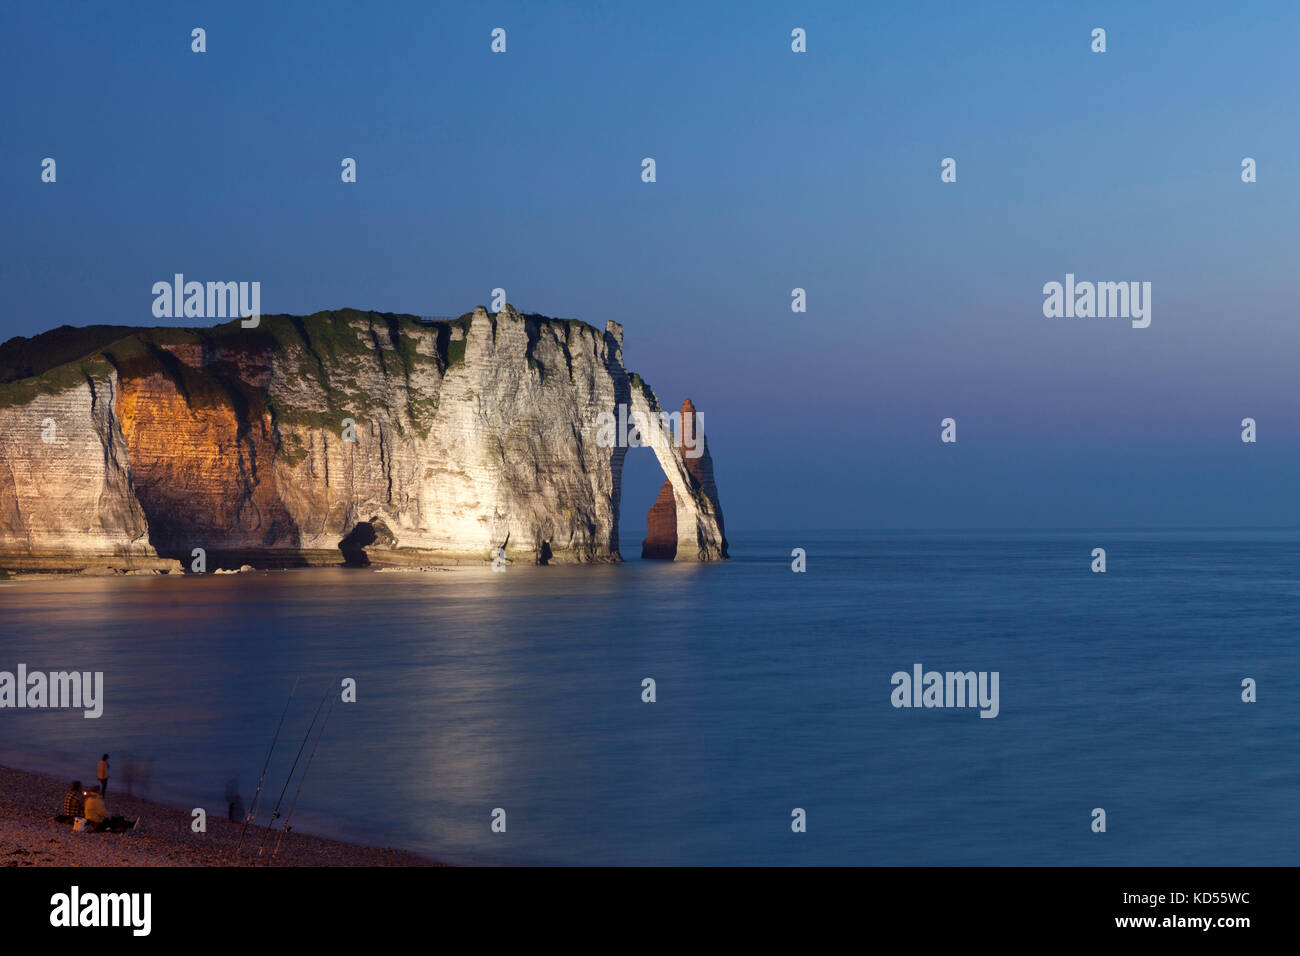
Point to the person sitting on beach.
(96, 812)
(97, 818)
(71, 803)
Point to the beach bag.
(79, 824)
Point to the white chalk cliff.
(131, 447)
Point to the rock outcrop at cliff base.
(396, 440)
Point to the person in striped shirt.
(71, 803)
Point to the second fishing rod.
(285, 789)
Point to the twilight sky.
(775, 170)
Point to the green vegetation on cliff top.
(331, 342)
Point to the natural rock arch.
(685, 521)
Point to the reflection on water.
(522, 690)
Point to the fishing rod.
(310, 757)
(276, 812)
(252, 807)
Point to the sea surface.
(522, 691)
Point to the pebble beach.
(29, 835)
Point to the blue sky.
(775, 170)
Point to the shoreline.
(244, 561)
(30, 836)
(13, 576)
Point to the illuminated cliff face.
(65, 486)
(202, 464)
(276, 443)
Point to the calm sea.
(522, 690)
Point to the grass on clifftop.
(332, 341)
(56, 380)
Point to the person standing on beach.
(102, 773)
